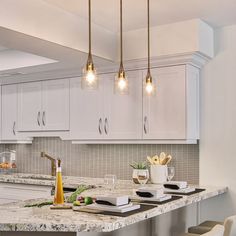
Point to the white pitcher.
(158, 174)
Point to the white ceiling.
(14, 59)
(39, 47)
(106, 12)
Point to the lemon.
(76, 203)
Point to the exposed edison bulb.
(121, 83)
(90, 79)
(90, 76)
(149, 87)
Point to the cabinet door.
(86, 109)
(29, 106)
(9, 112)
(55, 105)
(123, 113)
(164, 114)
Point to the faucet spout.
(53, 162)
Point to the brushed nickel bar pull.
(145, 125)
(38, 118)
(14, 128)
(99, 126)
(43, 119)
(106, 126)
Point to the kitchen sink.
(65, 190)
(39, 178)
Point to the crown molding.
(195, 59)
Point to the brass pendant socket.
(148, 77)
(90, 65)
(121, 73)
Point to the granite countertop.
(47, 180)
(15, 217)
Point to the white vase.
(158, 174)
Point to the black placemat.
(197, 190)
(130, 213)
(173, 198)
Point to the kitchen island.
(15, 217)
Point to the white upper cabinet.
(29, 106)
(169, 116)
(102, 115)
(55, 105)
(43, 106)
(1, 113)
(9, 112)
(63, 109)
(86, 111)
(123, 113)
(171, 112)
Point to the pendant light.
(89, 79)
(121, 81)
(149, 85)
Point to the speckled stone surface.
(47, 180)
(15, 217)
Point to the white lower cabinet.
(19, 192)
(103, 115)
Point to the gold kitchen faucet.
(53, 162)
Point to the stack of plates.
(113, 203)
(177, 187)
(151, 194)
(119, 209)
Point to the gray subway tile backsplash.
(99, 159)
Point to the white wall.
(218, 125)
(177, 38)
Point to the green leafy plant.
(139, 165)
(79, 190)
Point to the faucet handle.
(42, 154)
(59, 162)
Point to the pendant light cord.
(90, 31)
(148, 21)
(121, 36)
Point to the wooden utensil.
(150, 160)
